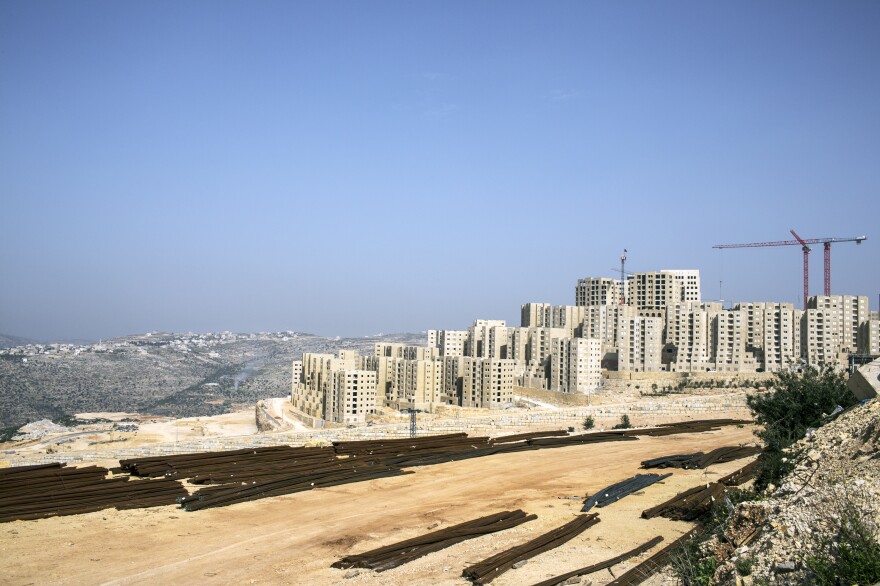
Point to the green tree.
(794, 403)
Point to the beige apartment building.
(640, 342)
(772, 334)
(487, 383)
(830, 328)
(544, 315)
(598, 291)
(418, 384)
(352, 397)
(730, 343)
(448, 342)
(296, 375)
(334, 389)
(487, 338)
(576, 365)
(651, 292)
(869, 336)
(690, 336)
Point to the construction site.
(493, 498)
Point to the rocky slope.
(836, 480)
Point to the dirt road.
(293, 539)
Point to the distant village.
(180, 342)
(652, 326)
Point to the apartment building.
(651, 292)
(640, 342)
(830, 328)
(352, 397)
(448, 342)
(575, 365)
(544, 315)
(296, 375)
(598, 291)
(731, 354)
(869, 337)
(418, 384)
(772, 334)
(487, 383)
(487, 338)
(333, 388)
(689, 338)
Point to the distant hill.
(160, 374)
(7, 341)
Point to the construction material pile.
(602, 565)
(699, 460)
(615, 492)
(391, 556)
(688, 505)
(47, 490)
(487, 570)
(652, 565)
(235, 476)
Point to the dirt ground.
(293, 539)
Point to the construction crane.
(804, 244)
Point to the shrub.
(589, 423)
(744, 566)
(690, 566)
(624, 423)
(852, 555)
(795, 403)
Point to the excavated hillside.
(835, 484)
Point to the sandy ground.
(293, 539)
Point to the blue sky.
(346, 168)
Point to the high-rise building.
(651, 292)
(830, 328)
(487, 383)
(576, 365)
(597, 291)
(640, 342)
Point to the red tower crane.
(803, 243)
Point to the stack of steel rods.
(602, 565)
(697, 426)
(391, 556)
(617, 491)
(700, 460)
(187, 465)
(688, 505)
(652, 565)
(36, 492)
(504, 439)
(490, 568)
(585, 438)
(740, 476)
(228, 494)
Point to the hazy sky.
(348, 168)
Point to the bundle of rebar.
(391, 556)
(617, 491)
(688, 505)
(700, 460)
(487, 570)
(652, 565)
(187, 465)
(697, 426)
(741, 476)
(602, 565)
(36, 492)
(504, 439)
